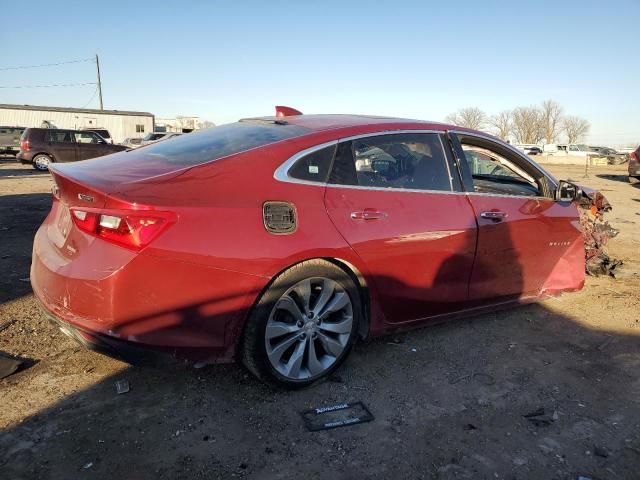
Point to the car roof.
(339, 121)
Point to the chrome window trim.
(282, 172)
(445, 192)
(512, 149)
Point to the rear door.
(61, 145)
(527, 242)
(393, 199)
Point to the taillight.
(634, 156)
(24, 145)
(134, 230)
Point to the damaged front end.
(597, 232)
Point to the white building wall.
(119, 126)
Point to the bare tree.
(575, 128)
(526, 125)
(502, 123)
(551, 120)
(206, 124)
(470, 117)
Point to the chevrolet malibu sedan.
(280, 241)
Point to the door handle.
(368, 214)
(494, 215)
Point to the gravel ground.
(449, 401)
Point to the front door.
(527, 242)
(90, 145)
(392, 198)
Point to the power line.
(92, 97)
(22, 67)
(49, 86)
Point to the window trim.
(282, 172)
(553, 184)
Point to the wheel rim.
(309, 328)
(42, 162)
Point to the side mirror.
(567, 191)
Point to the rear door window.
(413, 161)
(58, 136)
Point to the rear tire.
(41, 162)
(303, 326)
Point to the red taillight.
(134, 230)
(24, 145)
(634, 156)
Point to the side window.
(573, 148)
(414, 161)
(499, 173)
(86, 137)
(139, 128)
(313, 167)
(56, 136)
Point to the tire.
(303, 326)
(41, 162)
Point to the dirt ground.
(449, 401)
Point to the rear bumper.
(24, 157)
(114, 300)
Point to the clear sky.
(226, 60)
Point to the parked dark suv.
(41, 146)
(634, 166)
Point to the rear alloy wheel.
(41, 162)
(304, 325)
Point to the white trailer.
(121, 124)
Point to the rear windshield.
(213, 143)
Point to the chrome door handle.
(495, 216)
(368, 215)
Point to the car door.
(90, 145)
(392, 197)
(527, 242)
(61, 145)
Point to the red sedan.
(280, 240)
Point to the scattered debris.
(341, 415)
(599, 451)
(539, 418)
(8, 366)
(605, 344)
(414, 350)
(87, 465)
(470, 426)
(25, 279)
(7, 324)
(597, 234)
(122, 386)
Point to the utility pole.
(99, 82)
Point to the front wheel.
(303, 326)
(41, 162)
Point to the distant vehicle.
(10, 139)
(533, 151)
(613, 156)
(573, 149)
(103, 132)
(157, 136)
(132, 142)
(634, 166)
(42, 146)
